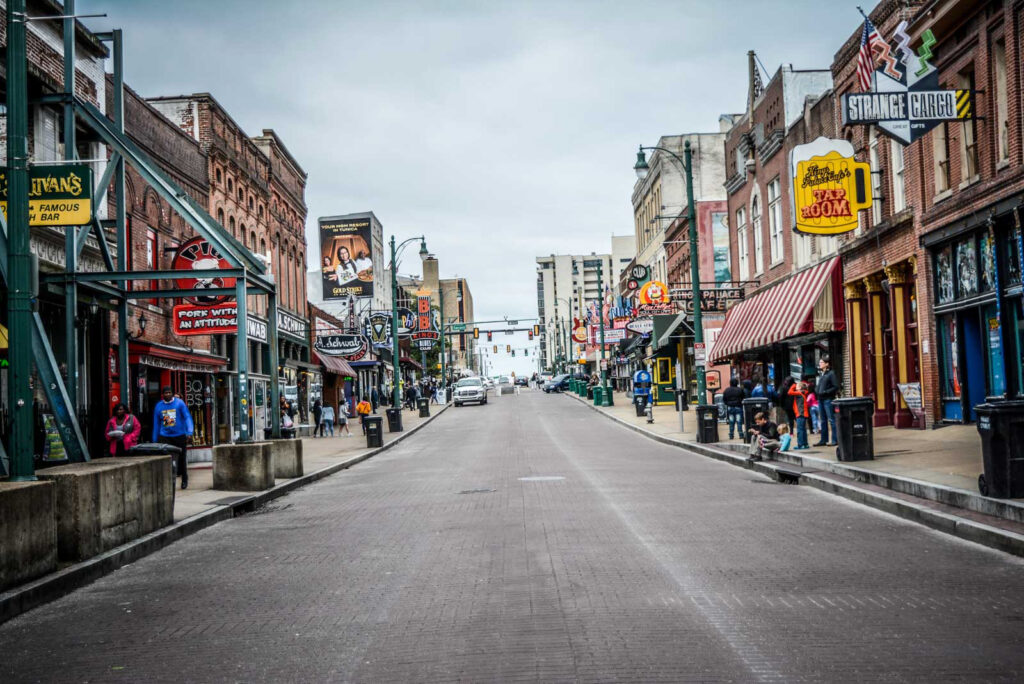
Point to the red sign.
(198, 254)
(205, 320)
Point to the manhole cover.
(541, 478)
(477, 491)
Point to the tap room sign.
(829, 187)
(57, 195)
(905, 100)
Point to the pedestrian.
(758, 390)
(785, 439)
(798, 395)
(318, 417)
(363, 409)
(826, 390)
(328, 420)
(813, 406)
(748, 388)
(764, 436)
(172, 424)
(410, 397)
(374, 398)
(433, 391)
(343, 418)
(123, 430)
(786, 401)
(733, 397)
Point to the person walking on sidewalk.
(733, 397)
(826, 390)
(123, 431)
(798, 395)
(319, 429)
(363, 409)
(172, 424)
(343, 418)
(327, 418)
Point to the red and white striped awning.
(810, 301)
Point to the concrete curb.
(813, 472)
(21, 599)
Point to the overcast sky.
(499, 130)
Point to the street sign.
(458, 327)
(700, 354)
(512, 322)
(57, 195)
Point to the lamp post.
(642, 169)
(564, 343)
(605, 394)
(395, 365)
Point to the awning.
(810, 301)
(673, 330)
(336, 365)
(411, 362)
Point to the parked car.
(470, 389)
(558, 383)
(523, 381)
(503, 380)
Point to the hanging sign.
(829, 185)
(349, 345)
(220, 319)
(425, 333)
(654, 292)
(641, 326)
(710, 300)
(197, 254)
(57, 195)
(579, 331)
(905, 100)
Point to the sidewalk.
(928, 476)
(317, 453)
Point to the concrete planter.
(287, 454)
(28, 532)
(243, 467)
(108, 502)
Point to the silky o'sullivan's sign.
(829, 187)
(57, 195)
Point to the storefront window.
(944, 273)
(947, 337)
(1012, 254)
(987, 247)
(966, 268)
(996, 367)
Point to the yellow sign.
(654, 292)
(57, 195)
(829, 187)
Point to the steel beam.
(70, 232)
(242, 361)
(274, 407)
(120, 217)
(165, 274)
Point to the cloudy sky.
(500, 130)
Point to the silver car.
(470, 389)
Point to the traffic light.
(495, 349)
(529, 333)
(536, 329)
(490, 336)
(513, 352)
(508, 347)
(476, 333)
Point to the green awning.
(671, 326)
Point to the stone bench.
(287, 455)
(28, 531)
(246, 467)
(109, 501)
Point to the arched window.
(241, 195)
(217, 175)
(252, 241)
(252, 203)
(231, 224)
(230, 185)
(260, 212)
(220, 217)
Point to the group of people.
(806, 405)
(325, 417)
(172, 424)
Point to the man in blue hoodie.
(172, 424)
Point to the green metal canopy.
(668, 326)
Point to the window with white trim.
(899, 190)
(775, 220)
(741, 242)
(755, 227)
(876, 177)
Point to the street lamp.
(642, 169)
(395, 365)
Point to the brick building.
(792, 312)
(256, 191)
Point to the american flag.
(866, 60)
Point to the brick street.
(533, 540)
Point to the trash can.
(394, 419)
(423, 404)
(751, 407)
(640, 404)
(374, 431)
(1001, 426)
(707, 423)
(448, 395)
(597, 394)
(855, 432)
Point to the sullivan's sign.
(57, 195)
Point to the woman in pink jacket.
(123, 431)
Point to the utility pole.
(19, 260)
(605, 394)
(698, 324)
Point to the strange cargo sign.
(905, 100)
(57, 195)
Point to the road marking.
(541, 478)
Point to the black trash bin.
(374, 431)
(286, 433)
(854, 428)
(423, 404)
(1001, 426)
(751, 407)
(707, 423)
(157, 449)
(448, 395)
(394, 419)
(640, 404)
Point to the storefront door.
(973, 363)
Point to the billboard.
(346, 257)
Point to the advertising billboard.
(346, 257)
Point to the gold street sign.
(57, 195)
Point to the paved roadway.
(436, 561)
